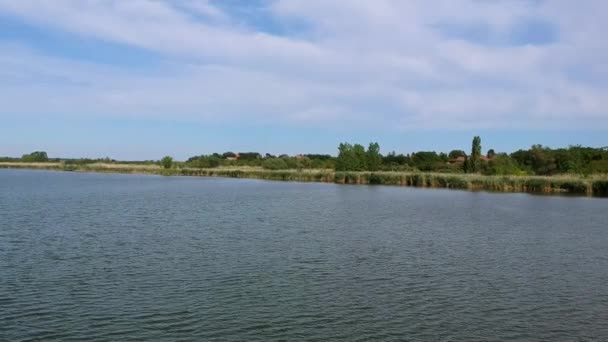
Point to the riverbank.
(572, 184)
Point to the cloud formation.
(386, 64)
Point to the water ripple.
(86, 257)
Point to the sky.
(140, 79)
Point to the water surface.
(103, 257)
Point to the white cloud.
(384, 63)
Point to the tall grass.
(571, 184)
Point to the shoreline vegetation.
(592, 185)
(574, 170)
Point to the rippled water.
(93, 257)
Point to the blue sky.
(139, 79)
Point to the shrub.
(166, 162)
(274, 164)
(600, 187)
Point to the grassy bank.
(579, 185)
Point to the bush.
(275, 164)
(166, 162)
(600, 188)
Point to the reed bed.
(566, 184)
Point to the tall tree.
(345, 160)
(374, 158)
(360, 158)
(475, 160)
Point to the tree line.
(537, 160)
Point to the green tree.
(374, 158)
(538, 159)
(393, 159)
(346, 157)
(38, 156)
(427, 161)
(475, 160)
(166, 162)
(351, 157)
(456, 153)
(598, 166)
(360, 158)
(248, 156)
(491, 153)
(501, 164)
(274, 164)
(199, 163)
(214, 161)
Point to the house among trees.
(461, 160)
(457, 160)
(233, 157)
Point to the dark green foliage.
(35, 157)
(374, 158)
(322, 164)
(456, 153)
(203, 161)
(166, 162)
(427, 161)
(539, 160)
(600, 187)
(347, 159)
(396, 162)
(542, 160)
(247, 156)
(474, 163)
(374, 178)
(501, 164)
(253, 159)
(356, 158)
(322, 157)
(360, 158)
(214, 161)
(573, 187)
(275, 164)
(597, 166)
(394, 158)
